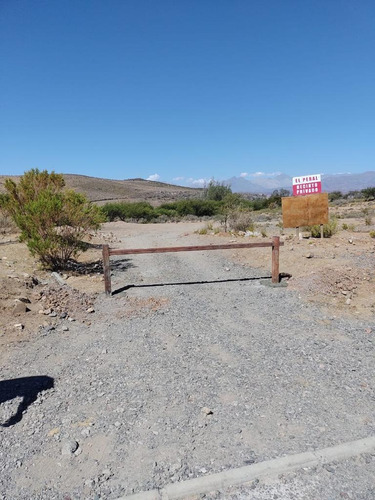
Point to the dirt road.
(174, 381)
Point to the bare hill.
(104, 190)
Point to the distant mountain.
(348, 182)
(332, 182)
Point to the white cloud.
(244, 174)
(153, 177)
(263, 174)
(198, 182)
(178, 178)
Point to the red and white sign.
(307, 184)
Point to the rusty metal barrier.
(107, 252)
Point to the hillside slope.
(105, 190)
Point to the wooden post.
(107, 270)
(275, 259)
(297, 232)
(321, 231)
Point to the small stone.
(86, 432)
(46, 311)
(65, 329)
(53, 314)
(104, 351)
(19, 308)
(227, 269)
(344, 292)
(90, 310)
(69, 447)
(350, 241)
(329, 468)
(117, 424)
(309, 255)
(63, 315)
(90, 483)
(19, 326)
(71, 319)
(207, 411)
(348, 301)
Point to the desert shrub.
(372, 234)
(129, 211)
(368, 193)
(139, 211)
(167, 212)
(6, 223)
(345, 227)
(216, 191)
(240, 220)
(199, 208)
(52, 221)
(274, 200)
(335, 195)
(368, 220)
(328, 229)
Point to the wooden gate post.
(107, 270)
(275, 259)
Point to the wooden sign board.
(306, 210)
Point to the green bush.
(372, 234)
(199, 208)
(369, 193)
(335, 195)
(129, 211)
(216, 191)
(328, 229)
(52, 221)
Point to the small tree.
(52, 221)
(369, 193)
(216, 191)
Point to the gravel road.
(178, 381)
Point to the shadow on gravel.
(96, 267)
(126, 287)
(27, 388)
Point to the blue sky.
(187, 89)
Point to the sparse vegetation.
(372, 234)
(241, 220)
(52, 221)
(328, 229)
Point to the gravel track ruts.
(173, 382)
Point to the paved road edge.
(269, 468)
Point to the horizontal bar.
(190, 248)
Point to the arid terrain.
(198, 368)
(105, 190)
